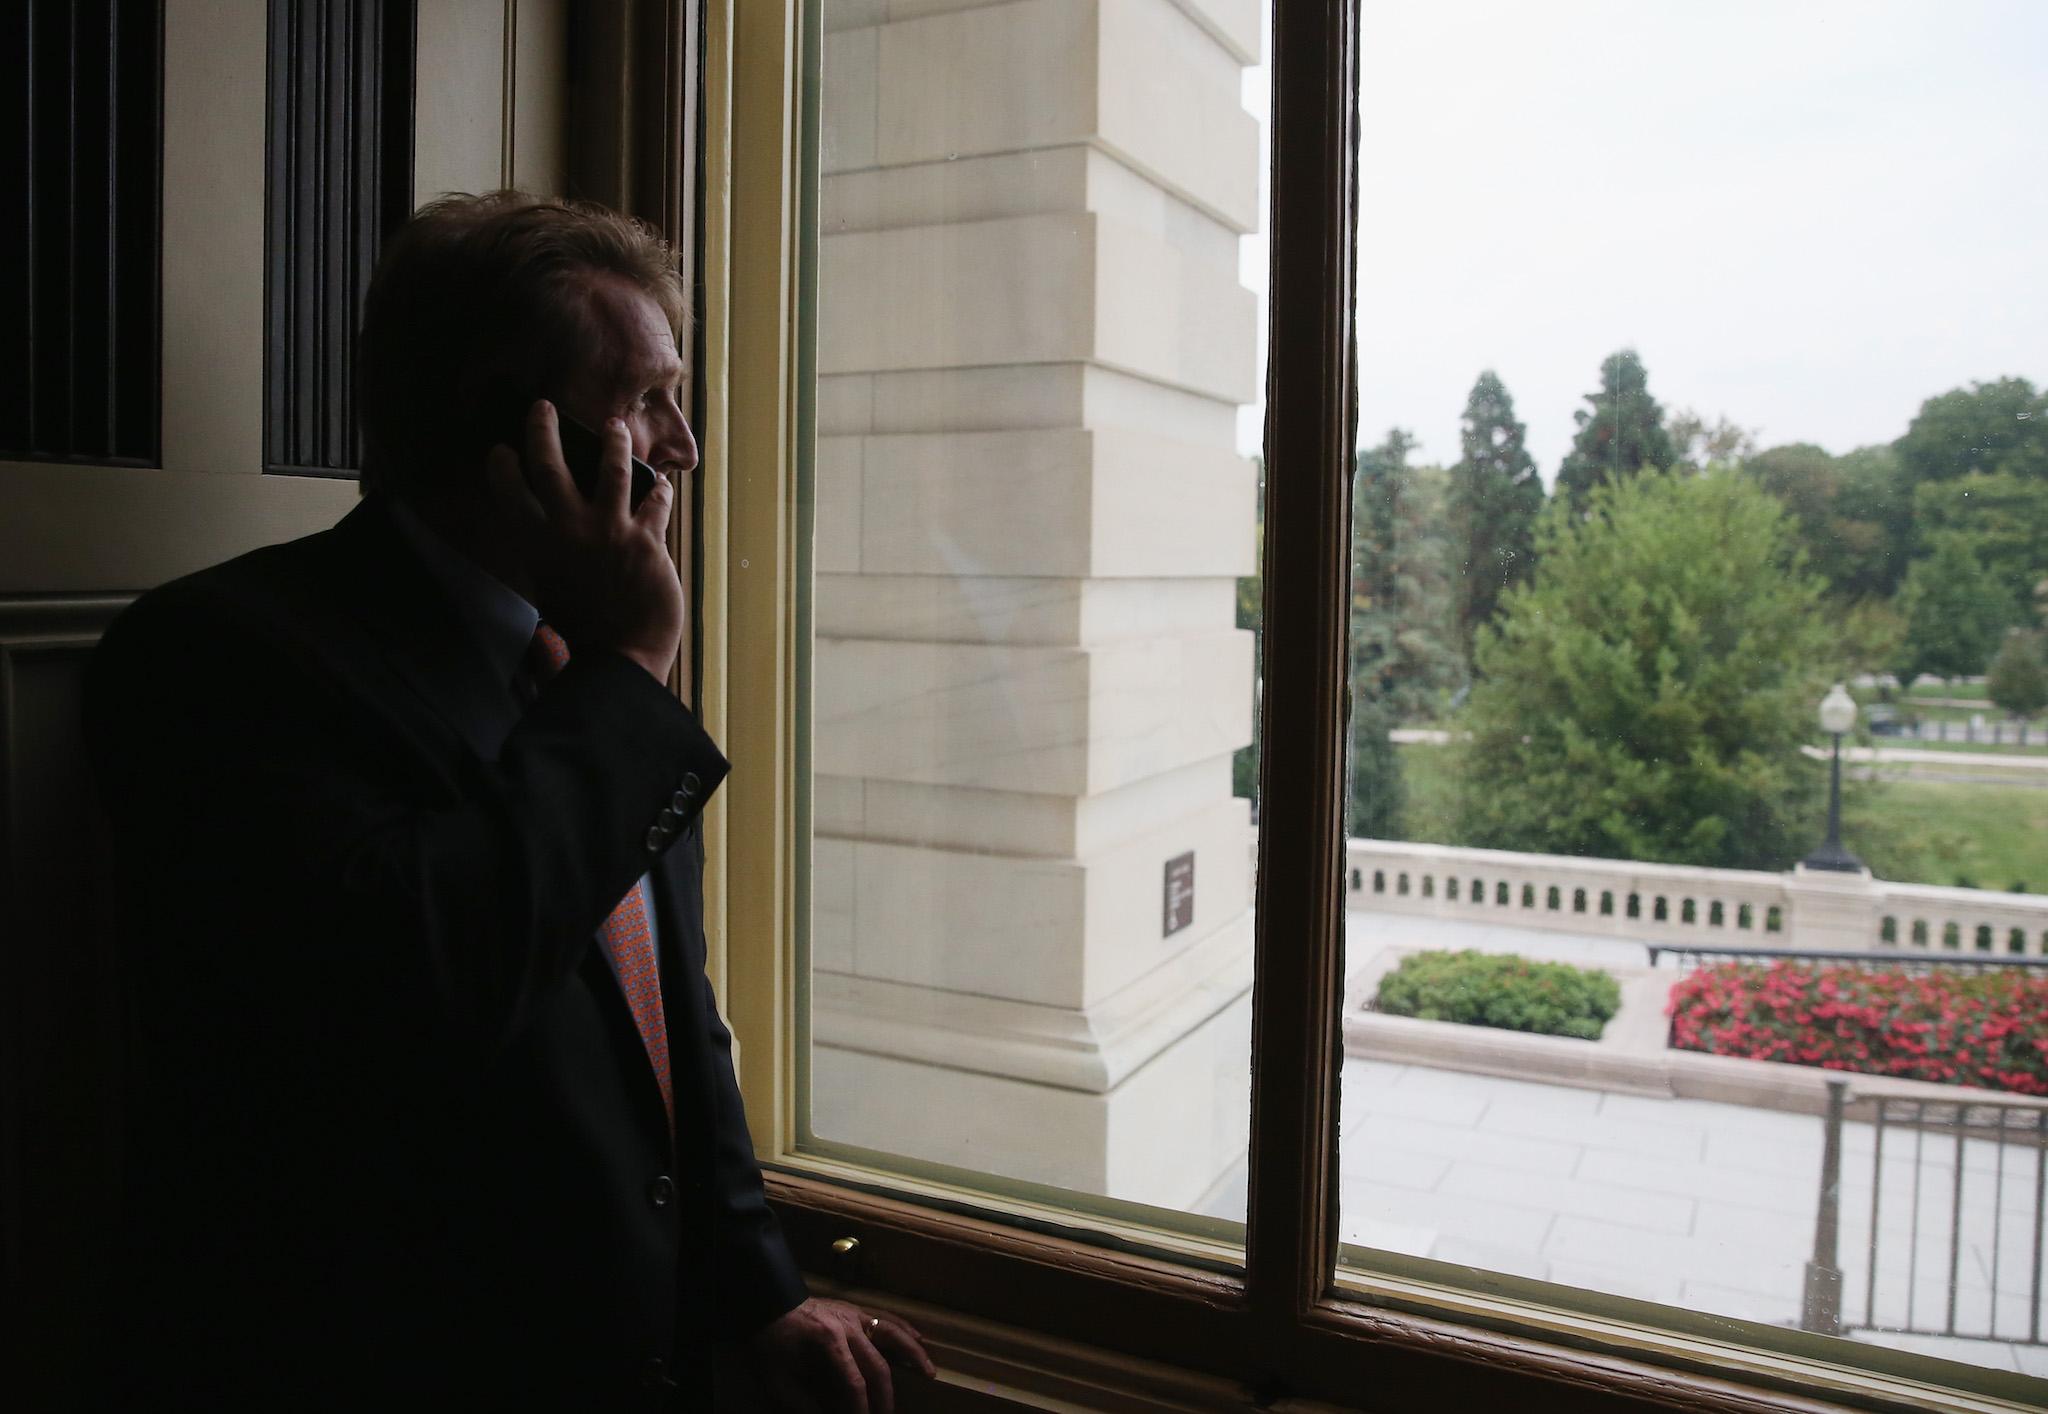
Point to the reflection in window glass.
(1703, 438)
(1031, 856)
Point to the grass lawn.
(1989, 713)
(1918, 832)
(1955, 832)
(1974, 690)
(1425, 770)
(2037, 744)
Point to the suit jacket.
(397, 1138)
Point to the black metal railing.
(1967, 1193)
(1895, 960)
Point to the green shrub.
(1495, 989)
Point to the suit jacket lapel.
(676, 884)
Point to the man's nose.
(675, 445)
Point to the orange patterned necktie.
(626, 934)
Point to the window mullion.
(1310, 416)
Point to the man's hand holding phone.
(601, 568)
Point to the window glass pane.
(1703, 432)
(1033, 489)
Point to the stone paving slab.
(1662, 1141)
(1510, 1225)
(1694, 1180)
(1625, 1207)
(1378, 1132)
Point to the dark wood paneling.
(60, 1035)
(338, 154)
(81, 163)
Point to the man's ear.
(490, 407)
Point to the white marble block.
(1058, 932)
(1163, 1137)
(1052, 720)
(1067, 503)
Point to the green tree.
(1867, 637)
(1956, 611)
(1700, 444)
(2018, 679)
(1872, 522)
(1621, 434)
(1806, 482)
(1403, 656)
(1843, 507)
(1495, 496)
(2006, 519)
(2001, 426)
(1646, 695)
(1376, 794)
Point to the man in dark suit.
(433, 1104)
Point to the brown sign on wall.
(1180, 892)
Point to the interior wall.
(79, 541)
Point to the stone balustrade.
(1683, 905)
(1971, 920)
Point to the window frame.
(1286, 1324)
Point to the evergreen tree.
(1646, 695)
(1495, 496)
(1403, 657)
(1377, 799)
(1621, 435)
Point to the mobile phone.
(583, 450)
(582, 453)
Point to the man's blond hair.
(478, 304)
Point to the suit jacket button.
(680, 802)
(691, 784)
(661, 1190)
(668, 819)
(657, 838)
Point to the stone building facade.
(1032, 345)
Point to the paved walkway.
(1366, 931)
(1684, 1202)
(1927, 756)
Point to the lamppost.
(1837, 715)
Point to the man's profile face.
(632, 371)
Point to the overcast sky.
(1807, 215)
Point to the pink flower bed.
(1987, 1029)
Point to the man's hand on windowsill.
(831, 1357)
